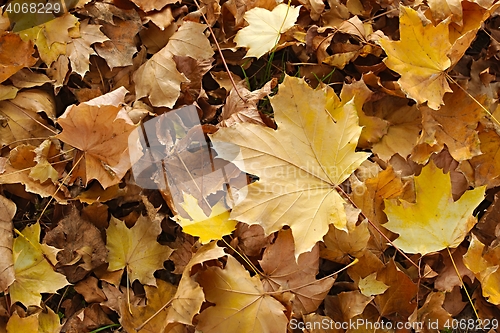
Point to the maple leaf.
(121, 46)
(206, 227)
(156, 297)
(484, 264)
(420, 57)
(51, 37)
(435, 220)
(265, 28)
(189, 297)
(7, 212)
(188, 41)
(136, 249)
(299, 165)
(79, 49)
(34, 274)
(15, 54)
(241, 304)
(101, 133)
(299, 277)
(21, 117)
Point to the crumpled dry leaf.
(282, 272)
(158, 78)
(79, 51)
(82, 246)
(484, 264)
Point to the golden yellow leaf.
(265, 28)
(241, 304)
(100, 132)
(34, 274)
(434, 222)
(299, 165)
(420, 57)
(484, 265)
(136, 249)
(206, 227)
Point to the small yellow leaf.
(265, 28)
(370, 286)
(136, 248)
(208, 228)
(420, 57)
(434, 222)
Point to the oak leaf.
(420, 57)
(136, 249)
(435, 220)
(241, 304)
(34, 274)
(206, 227)
(299, 165)
(100, 132)
(265, 28)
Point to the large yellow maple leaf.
(434, 221)
(420, 57)
(241, 304)
(299, 165)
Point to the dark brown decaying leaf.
(82, 246)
